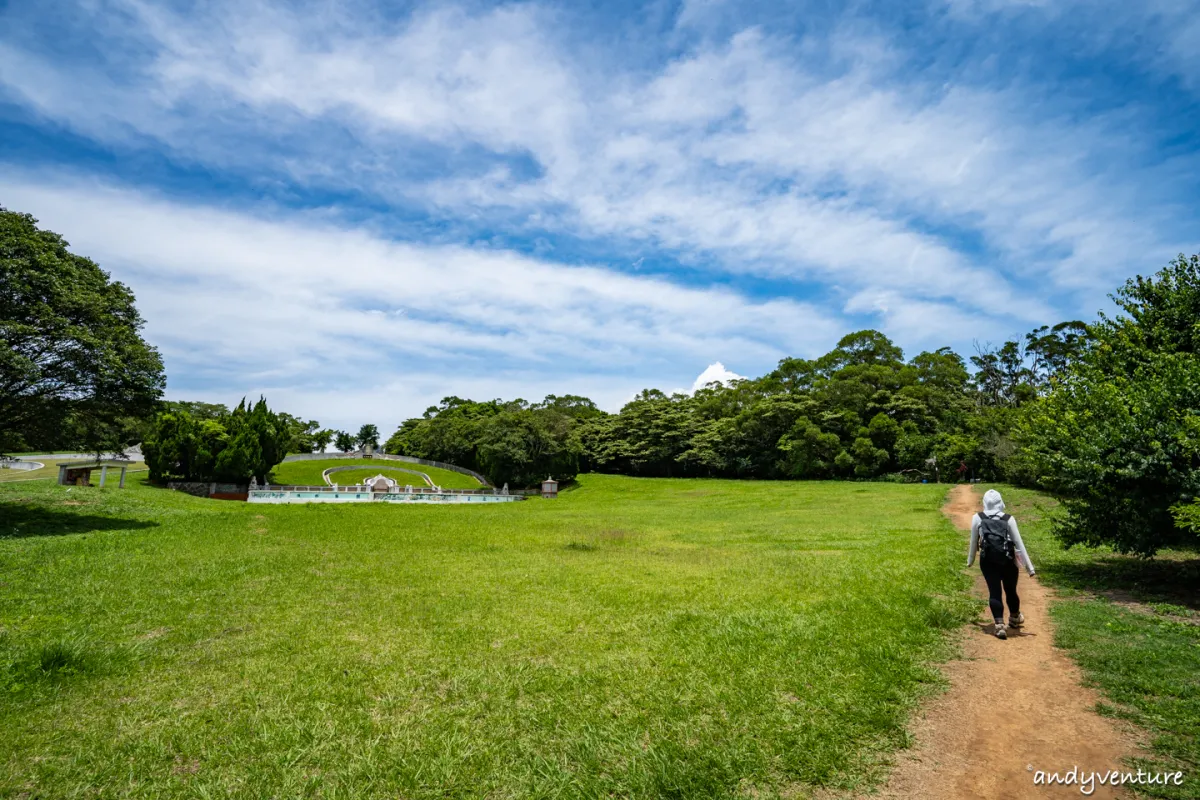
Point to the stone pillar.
(121, 485)
(103, 475)
(62, 475)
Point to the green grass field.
(1144, 658)
(308, 473)
(633, 638)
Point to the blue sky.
(357, 208)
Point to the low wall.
(389, 457)
(227, 491)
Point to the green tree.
(321, 439)
(242, 443)
(808, 451)
(182, 446)
(1187, 516)
(343, 441)
(367, 435)
(197, 409)
(70, 346)
(1119, 433)
(523, 446)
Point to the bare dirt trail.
(969, 746)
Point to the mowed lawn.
(308, 473)
(633, 638)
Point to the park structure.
(382, 489)
(79, 473)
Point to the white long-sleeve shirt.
(1023, 559)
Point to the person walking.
(995, 536)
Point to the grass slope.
(308, 473)
(633, 638)
(1145, 658)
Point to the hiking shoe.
(1001, 633)
(1016, 621)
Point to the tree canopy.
(74, 369)
(247, 442)
(367, 435)
(1119, 433)
(343, 441)
(859, 411)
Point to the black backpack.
(995, 544)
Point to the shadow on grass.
(20, 521)
(1170, 579)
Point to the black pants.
(998, 575)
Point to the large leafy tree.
(523, 445)
(303, 435)
(1119, 433)
(72, 358)
(321, 439)
(367, 435)
(343, 441)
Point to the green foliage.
(74, 369)
(859, 411)
(514, 442)
(322, 439)
(523, 446)
(1119, 433)
(367, 435)
(304, 436)
(1187, 516)
(243, 443)
(196, 409)
(343, 441)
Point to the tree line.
(860, 411)
(1104, 413)
(195, 441)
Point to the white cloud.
(740, 154)
(251, 304)
(715, 373)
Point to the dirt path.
(968, 746)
